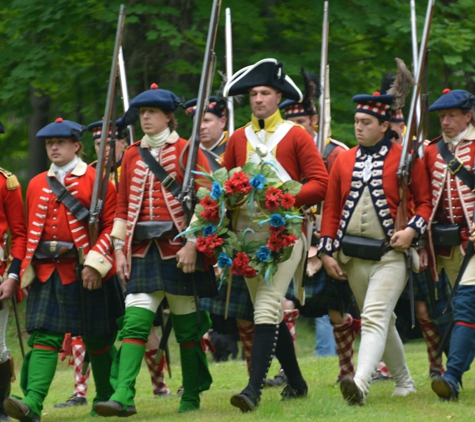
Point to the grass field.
(324, 401)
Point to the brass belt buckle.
(168, 181)
(457, 162)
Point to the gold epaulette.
(12, 181)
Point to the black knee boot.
(5, 386)
(263, 349)
(296, 386)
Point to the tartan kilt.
(56, 307)
(421, 293)
(240, 304)
(323, 293)
(153, 273)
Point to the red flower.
(240, 263)
(289, 240)
(208, 203)
(249, 272)
(272, 204)
(273, 193)
(202, 246)
(276, 230)
(238, 184)
(275, 243)
(213, 241)
(288, 201)
(210, 214)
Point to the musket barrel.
(323, 69)
(229, 68)
(97, 190)
(414, 56)
(202, 100)
(417, 88)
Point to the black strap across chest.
(454, 164)
(67, 199)
(168, 181)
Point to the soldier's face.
(368, 131)
(61, 151)
(212, 128)
(153, 120)
(119, 148)
(308, 123)
(264, 101)
(453, 121)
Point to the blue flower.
(258, 182)
(276, 220)
(224, 260)
(263, 253)
(216, 191)
(209, 230)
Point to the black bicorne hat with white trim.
(266, 72)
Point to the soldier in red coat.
(293, 153)
(64, 296)
(363, 190)
(150, 261)
(449, 161)
(12, 217)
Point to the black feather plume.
(312, 90)
(387, 82)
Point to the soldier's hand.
(402, 239)
(186, 257)
(472, 233)
(332, 268)
(122, 267)
(91, 278)
(423, 258)
(7, 288)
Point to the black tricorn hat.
(266, 72)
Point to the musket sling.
(66, 198)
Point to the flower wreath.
(252, 184)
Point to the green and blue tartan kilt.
(153, 273)
(442, 294)
(323, 293)
(240, 304)
(56, 307)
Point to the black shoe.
(350, 391)
(444, 389)
(180, 390)
(16, 408)
(380, 377)
(280, 380)
(74, 400)
(113, 408)
(246, 401)
(289, 393)
(434, 373)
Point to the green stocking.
(101, 351)
(39, 367)
(127, 363)
(194, 365)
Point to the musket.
(323, 79)
(15, 309)
(125, 92)
(407, 160)
(98, 193)
(229, 69)
(415, 55)
(186, 196)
